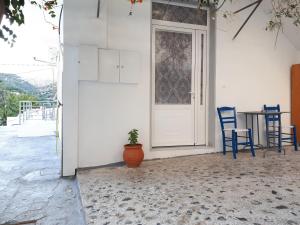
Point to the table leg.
(267, 133)
(257, 128)
(252, 127)
(280, 135)
(274, 134)
(246, 125)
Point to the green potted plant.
(1, 10)
(133, 154)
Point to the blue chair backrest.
(227, 116)
(272, 118)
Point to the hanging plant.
(132, 4)
(13, 12)
(1, 10)
(135, 1)
(282, 10)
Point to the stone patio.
(197, 190)
(31, 188)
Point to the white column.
(70, 110)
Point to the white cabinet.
(109, 66)
(88, 63)
(117, 66)
(129, 67)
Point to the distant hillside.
(14, 83)
(46, 92)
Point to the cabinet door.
(109, 66)
(295, 106)
(129, 67)
(88, 63)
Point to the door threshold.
(183, 147)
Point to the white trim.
(166, 2)
(207, 65)
(196, 101)
(180, 151)
(179, 25)
(205, 93)
(197, 28)
(183, 148)
(173, 107)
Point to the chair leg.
(295, 138)
(268, 135)
(234, 144)
(251, 142)
(224, 145)
(279, 140)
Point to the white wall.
(249, 73)
(70, 110)
(108, 111)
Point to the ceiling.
(292, 33)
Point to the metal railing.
(37, 110)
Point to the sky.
(35, 38)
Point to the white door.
(179, 87)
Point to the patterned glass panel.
(179, 14)
(173, 67)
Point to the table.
(256, 114)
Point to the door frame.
(204, 76)
(190, 107)
(181, 26)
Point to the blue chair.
(274, 133)
(230, 132)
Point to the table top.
(262, 113)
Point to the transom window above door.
(179, 14)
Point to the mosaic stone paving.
(197, 190)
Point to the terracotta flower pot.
(1, 10)
(133, 155)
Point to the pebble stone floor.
(196, 190)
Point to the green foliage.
(13, 11)
(9, 102)
(12, 103)
(133, 137)
(284, 9)
(3, 114)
